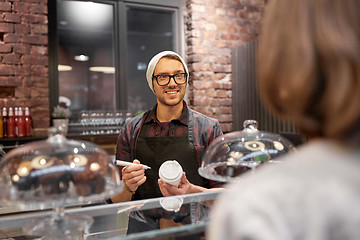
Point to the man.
(171, 130)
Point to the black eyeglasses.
(163, 79)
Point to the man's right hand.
(133, 176)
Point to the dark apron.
(153, 151)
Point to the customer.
(309, 72)
(171, 130)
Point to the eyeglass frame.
(170, 76)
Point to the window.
(149, 32)
(99, 51)
(86, 66)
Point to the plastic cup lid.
(170, 170)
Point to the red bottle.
(11, 123)
(4, 119)
(20, 123)
(16, 120)
(28, 122)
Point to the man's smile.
(172, 91)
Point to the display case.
(53, 174)
(177, 217)
(235, 153)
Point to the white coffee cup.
(171, 172)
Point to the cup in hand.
(171, 172)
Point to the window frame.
(119, 43)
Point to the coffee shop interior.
(84, 62)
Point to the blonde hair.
(309, 65)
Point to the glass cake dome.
(55, 172)
(234, 153)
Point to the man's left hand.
(170, 190)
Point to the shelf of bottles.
(99, 123)
(15, 127)
(15, 122)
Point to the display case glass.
(176, 217)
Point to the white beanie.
(153, 62)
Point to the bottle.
(20, 123)
(16, 113)
(4, 120)
(1, 127)
(11, 124)
(28, 122)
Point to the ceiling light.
(64, 68)
(102, 69)
(81, 58)
(63, 23)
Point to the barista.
(170, 130)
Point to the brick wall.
(213, 27)
(24, 58)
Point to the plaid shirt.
(201, 131)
